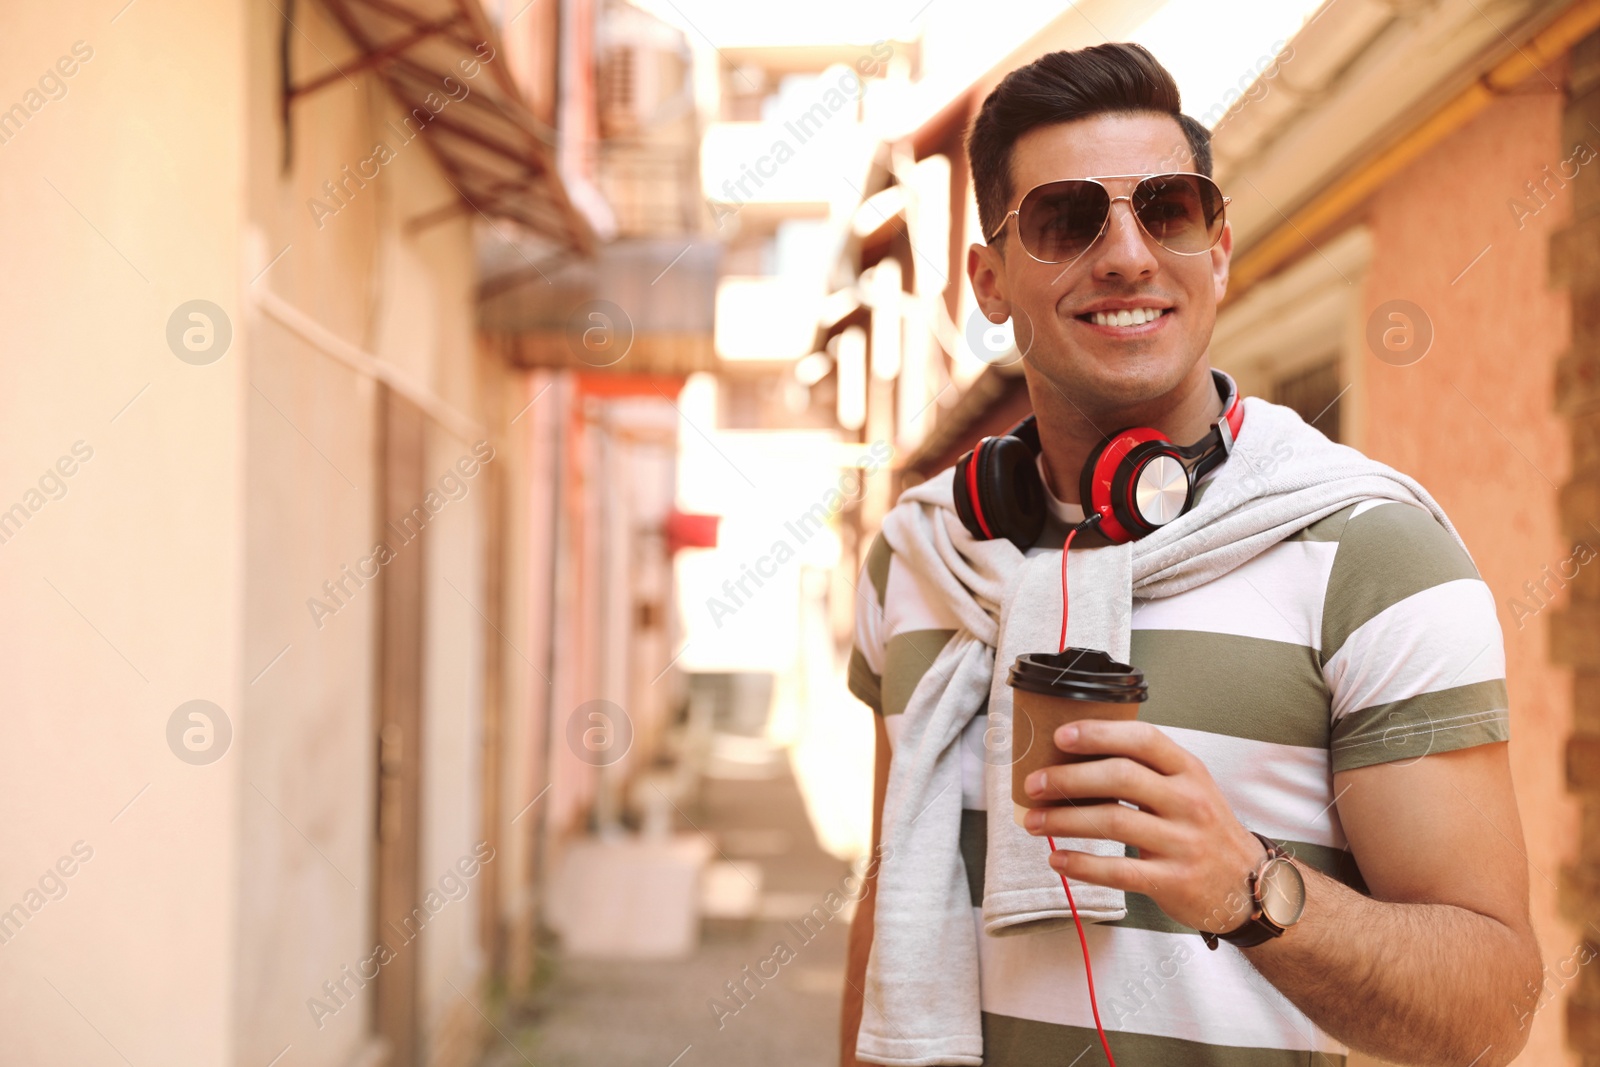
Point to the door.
(402, 441)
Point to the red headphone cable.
(1083, 941)
(1087, 970)
(1092, 520)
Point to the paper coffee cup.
(1051, 689)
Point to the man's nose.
(1123, 249)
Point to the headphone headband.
(998, 491)
(1217, 445)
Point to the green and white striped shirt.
(1367, 637)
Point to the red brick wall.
(1575, 632)
(1474, 420)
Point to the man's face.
(1099, 366)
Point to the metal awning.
(493, 149)
(639, 306)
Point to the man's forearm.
(860, 942)
(855, 975)
(1415, 983)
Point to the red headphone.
(1133, 483)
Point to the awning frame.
(493, 150)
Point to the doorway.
(402, 448)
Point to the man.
(1341, 694)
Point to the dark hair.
(1061, 87)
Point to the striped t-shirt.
(1366, 637)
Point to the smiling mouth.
(1124, 317)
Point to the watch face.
(1283, 892)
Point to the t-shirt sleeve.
(865, 675)
(1412, 650)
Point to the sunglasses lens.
(1182, 212)
(1058, 221)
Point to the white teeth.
(1126, 317)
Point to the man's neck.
(1069, 431)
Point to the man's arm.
(1440, 965)
(860, 944)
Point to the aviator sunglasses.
(1059, 221)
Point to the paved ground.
(594, 1014)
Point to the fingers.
(1141, 741)
(1115, 776)
(1108, 822)
(1115, 872)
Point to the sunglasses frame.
(1100, 180)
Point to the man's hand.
(1194, 855)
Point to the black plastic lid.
(1079, 674)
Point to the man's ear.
(1221, 258)
(986, 271)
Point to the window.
(1314, 395)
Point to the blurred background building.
(443, 438)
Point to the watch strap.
(1257, 929)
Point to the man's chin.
(1110, 381)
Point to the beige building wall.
(177, 516)
(306, 742)
(406, 297)
(124, 585)
(523, 664)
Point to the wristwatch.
(1279, 894)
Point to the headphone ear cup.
(1010, 492)
(1086, 479)
(1122, 489)
(963, 499)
